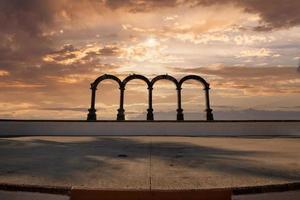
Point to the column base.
(121, 116)
(150, 116)
(209, 115)
(92, 115)
(180, 116)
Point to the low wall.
(164, 128)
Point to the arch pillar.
(150, 116)
(209, 114)
(92, 111)
(179, 108)
(121, 116)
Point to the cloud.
(31, 28)
(244, 39)
(251, 80)
(68, 54)
(29, 16)
(34, 62)
(141, 5)
(208, 26)
(110, 50)
(20, 84)
(272, 15)
(75, 109)
(256, 53)
(35, 17)
(4, 73)
(211, 31)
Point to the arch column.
(209, 114)
(179, 109)
(150, 116)
(121, 116)
(92, 111)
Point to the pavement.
(144, 162)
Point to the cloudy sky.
(51, 50)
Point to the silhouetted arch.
(105, 77)
(209, 115)
(122, 84)
(92, 111)
(136, 76)
(154, 80)
(164, 77)
(193, 77)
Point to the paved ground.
(149, 162)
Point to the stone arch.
(122, 84)
(193, 77)
(146, 80)
(105, 77)
(209, 115)
(162, 77)
(135, 76)
(92, 111)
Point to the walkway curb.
(78, 192)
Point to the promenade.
(149, 162)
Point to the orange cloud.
(252, 80)
(4, 73)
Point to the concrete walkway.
(149, 162)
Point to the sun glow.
(151, 42)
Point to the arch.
(104, 77)
(122, 84)
(209, 115)
(135, 76)
(146, 80)
(164, 77)
(92, 111)
(193, 77)
(170, 78)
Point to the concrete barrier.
(163, 128)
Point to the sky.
(51, 50)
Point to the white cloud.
(255, 53)
(252, 39)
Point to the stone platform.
(149, 162)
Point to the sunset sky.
(51, 50)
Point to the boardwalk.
(149, 162)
